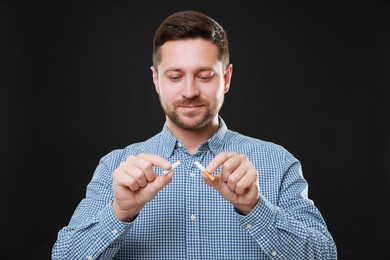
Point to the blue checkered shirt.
(190, 220)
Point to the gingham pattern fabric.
(190, 220)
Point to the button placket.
(192, 207)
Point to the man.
(253, 206)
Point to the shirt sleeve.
(293, 228)
(93, 232)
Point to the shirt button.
(115, 231)
(192, 174)
(274, 253)
(89, 257)
(249, 226)
(193, 217)
(179, 144)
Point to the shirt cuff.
(114, 229)
(261, 217)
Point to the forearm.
(97, 238)
(281, 236)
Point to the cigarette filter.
(203, 169)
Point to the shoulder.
(234, 138)
(115, 157)
(250, 145)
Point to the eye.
(174, 77)
(206, 77)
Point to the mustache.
(189, 101)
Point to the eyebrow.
(197, 70)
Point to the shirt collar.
(168, 140)
(215, 143)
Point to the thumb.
(216, 183)
(159, 183)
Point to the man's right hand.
(136, 183)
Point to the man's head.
(191, 73)
(190, 25)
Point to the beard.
(196, 119)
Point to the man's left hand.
(238, 181)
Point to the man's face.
(191, 82)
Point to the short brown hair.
(187, 25)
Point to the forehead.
(189, 53)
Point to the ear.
(155, 78)
(227, 77)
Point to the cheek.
(168, 95)
(169, 90)
(213, 93)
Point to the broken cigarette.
(200, 166)
(165, 172)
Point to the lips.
(190, 107)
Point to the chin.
(192, 123)
(194, 120)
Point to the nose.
(190, 89)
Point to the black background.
(312, 77)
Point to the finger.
(150, 160)
(142, 170)
(232, 178)
(138, 175)
(218, 161)
(248, 180)
(156, 160)
(121, 178)
(216, 183)
(158, 184)
(231, 165)
(137, 168)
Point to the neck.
(192, 138)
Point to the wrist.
(246, 209)
(123, 215)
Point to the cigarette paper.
(165, 172)
(200, 166)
